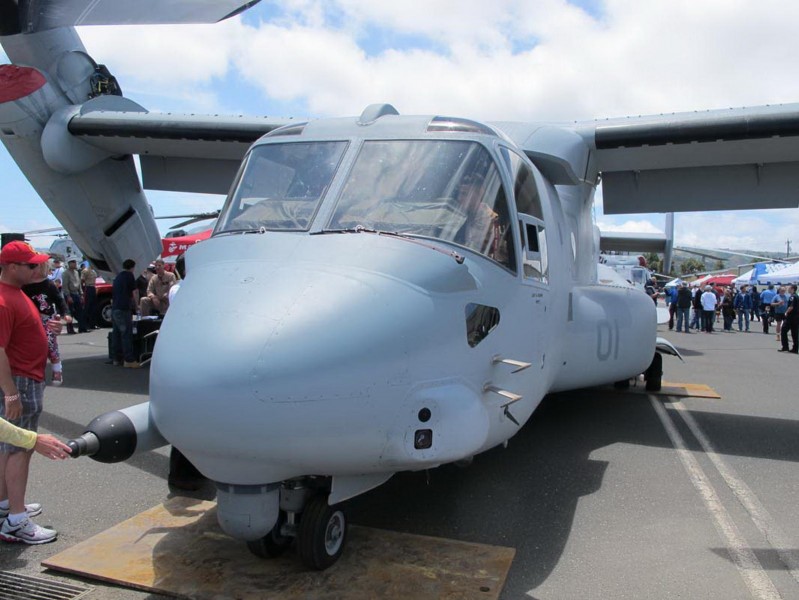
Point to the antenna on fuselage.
(373, 112)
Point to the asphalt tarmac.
(603, 494)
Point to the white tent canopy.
(761, 272)
(789, 274)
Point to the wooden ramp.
(685, 390)
(178, 549)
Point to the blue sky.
(504, 60)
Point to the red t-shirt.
(21, 333)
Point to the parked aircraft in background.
(400, 291)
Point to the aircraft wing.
(617, 241)
(733, 159)
(188, 153)
(30, 16)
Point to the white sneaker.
(26, 531)
(33, 509)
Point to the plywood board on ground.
(177, 548)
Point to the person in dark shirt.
(651, 289)
(791, 323)
(683, 303)
(143, 280)
(125, 297)
(47, 299)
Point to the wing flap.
(617, 241)
(187, 153)
(732, 159)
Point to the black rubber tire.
(654, 374)
(322, 533)
(103, 314)
(273, 544)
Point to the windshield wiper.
(403, 236)
(359, 229)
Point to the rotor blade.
(42, 231)
(196, 219)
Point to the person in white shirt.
(709, 301)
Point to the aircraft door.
(535, 325)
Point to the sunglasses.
(31, 266)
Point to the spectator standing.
(88, 279)
(23, 354)
(696, 303)
(124, 299)
(57, 271)
(651, 289)
(50, 303)
(743, 306)
(766, 297)
(755, 303)
(683, 303)
(74, 294)
(671, 301)
(778, 307)
(791, 323)
(727, 310)
(709, 301)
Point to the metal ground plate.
(178, 549)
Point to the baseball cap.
(21, 252)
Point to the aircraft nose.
(248, 373)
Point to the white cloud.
(629, 226)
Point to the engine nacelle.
(97, 198)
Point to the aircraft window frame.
(530, 212)
(287, 210)
(535, 257)
(419, 186)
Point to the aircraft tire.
(654, 374)
(273, 544)
(322, 533)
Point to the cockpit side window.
(532, 228)
(281, 186)
(450, 190)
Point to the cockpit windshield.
(281, 186)
(445, 189)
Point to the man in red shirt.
(23, 354)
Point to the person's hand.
(51, 447)
(13, 407)
(68, 319)
(54, 325)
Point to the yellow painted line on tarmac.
(683, 390)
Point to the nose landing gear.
(320, 530)
(321, 534)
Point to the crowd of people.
(701, 308)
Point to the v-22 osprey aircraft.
(381, 292)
